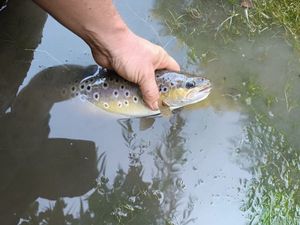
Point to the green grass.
(281, 13)
(226, 20)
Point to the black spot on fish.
(105, 105)
(76, 94)
(164, 89)
(172, 84)
(105, 85)
(122, 87)
(76, 81)
(73, 89)
(135, 99)
(96, 96)
(82, 87)
(120, 104)
(115, 93)
(92, 79)
(111, 79)
(88, 88)
(127, 93)
(126, 103)
(117, 80)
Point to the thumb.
(168, 62)
(149, 90)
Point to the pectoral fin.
(165, 109)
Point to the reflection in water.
(33, 165)
(258, 71)
(273, 197)
(256, 78)
(170, 157)
(21, 24)
(129, 199)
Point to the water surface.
(232, 159)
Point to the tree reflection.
(129, 199)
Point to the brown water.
(232, 159)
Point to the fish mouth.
(205, 89)
(198, 95)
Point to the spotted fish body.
(112, 93)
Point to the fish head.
(180, 89)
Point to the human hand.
(136, 60)
(113, 45)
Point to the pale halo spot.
(96, 96)
(106, 105)
(120, 104)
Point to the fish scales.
(109, 91)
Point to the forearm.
(95, 21)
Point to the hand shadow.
(33, 165)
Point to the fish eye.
(190, 84)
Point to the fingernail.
(155, 106)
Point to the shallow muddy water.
(231, 159)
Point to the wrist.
(107, 39)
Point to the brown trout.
(112, 93)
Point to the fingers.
(149, 90)
(148, 84)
